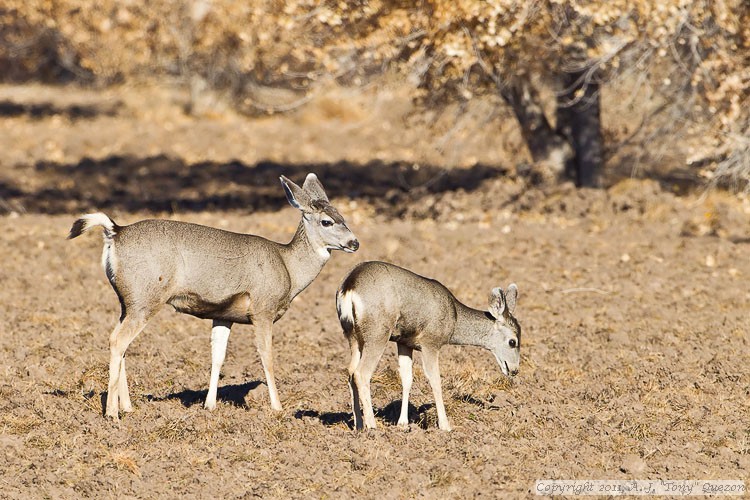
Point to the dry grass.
(174, 430)
(19, 424)
(125, 460)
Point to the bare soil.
(633, 302)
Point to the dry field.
(633, 301)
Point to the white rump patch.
(109, 259)
(347, 302)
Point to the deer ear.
(297, 197)
(314, 188)
(497, 303)
(511, 297)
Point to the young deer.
(379, 302)
(213, 274)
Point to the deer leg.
(264, 341)
(432, 371)
(405, 362)
(121, 337)
(122, 389)
(219, 338)
(356, 355)
(371, 354)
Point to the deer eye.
(326, 223)
(512, 343)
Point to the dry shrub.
(733, 170)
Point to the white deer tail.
(88, 221)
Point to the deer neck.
(473, 327)
(304, 259)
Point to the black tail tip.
(76, 229)
(347, 325)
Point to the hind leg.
(122, 389)
(123, 334)
(356, 409)
(371, 353)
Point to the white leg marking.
(219, 339)
(405, 362)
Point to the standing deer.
(378, 302)
(214, 274)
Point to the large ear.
(314, 188)
(298, 197)
(497, 303)
(511, 297)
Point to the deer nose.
(513, 373)
(353, 245)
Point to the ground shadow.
(468, 398)
(60, 392)
(328, 418)
(234, 394)
(389, 414)
(40, 110)
(164, 184)
(417, 415)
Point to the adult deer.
(214, 274)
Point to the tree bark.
(548, 148)
(575, 146)
(579, 121)
(545, 145)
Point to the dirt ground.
(633, 303)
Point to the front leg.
(264, 341)
(432, 371)
(405, 362)
(219, 337)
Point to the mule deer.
(378, 302)
(213, 274)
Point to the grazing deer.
(378, 302)
(213, 274)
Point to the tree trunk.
(548, 149)
(575, 146)
(579, 120)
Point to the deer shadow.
(416, 414)
(234, 394)
(389, 414)
(327, 418)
